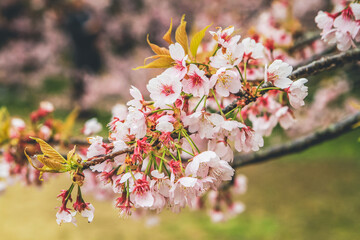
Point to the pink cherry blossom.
(226, 82)
(92, 126)
(64, 215)
(177, 53)
(222, 149)
(184, 190)
(143, 196)
(252, 49)
(263, 125)
(96, 148)
(355, 8)
(164, 90)
(278, 73)
(47, 106)
(324, 21)
(247, 140)
(197, 83)
(138, 98)
(119, 111)
(164, 124)
(202, 122)
(228, 57)
(286, 120)
(224, 38)
(297, 92)
(119, 145)
(136, 123)
(240, 184)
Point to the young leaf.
(156, 49)
(167, 36)
(162, 62)
(50, 155)
(181, 36)
(196, 40)
(52, 160)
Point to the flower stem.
(270, 88)
(197, 105)
(191, 142)
(257, 89)
(212, 90)
(69, 192)
(161, 162)
(242, 78)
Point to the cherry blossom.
(197, 83)
(224, 38)
(64, 215)
(92, 126)
(297, 92)
(164, 90)
(252, 49)
(278, 73)
(96, 148)
(228, 57)
(226, 82)
(177, 53)
(138, 98)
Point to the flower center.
(167, 90)
(224, 80)
(196, 80)
(179, 66)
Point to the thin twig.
(99, 159)
(300, 144)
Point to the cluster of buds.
(167, 152)
(341, 27)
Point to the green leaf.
(196, 40)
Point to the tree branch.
(326, 63)
(300, 144)
(99, 159)
(312, 68)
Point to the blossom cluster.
(167, 152)
(341, 27)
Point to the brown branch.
(300, 144)
(326, 63)
(99, 159)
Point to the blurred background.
(81, 53)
